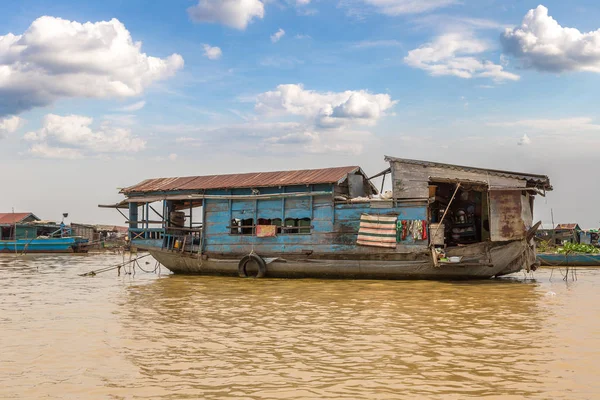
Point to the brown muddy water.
(186, 337)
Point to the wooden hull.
(569, 260)
(40, 245)
(484, 261)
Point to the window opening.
(467, 219)
(242, 226)
(290, 225)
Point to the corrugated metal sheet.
(569, 227)
(248, 180)
(13, 218)
(540, 181)
(506, 216)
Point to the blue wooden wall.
(335, 227)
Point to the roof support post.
(133, 215)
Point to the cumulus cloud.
(56, 58)
(457, 54)
(212, 53)
(134, 106)
(325, 108)
(10, 125)
(324, 121)
(233, 13)
(277, 35)
(399, 7)
(524, 141)
(292, 119)
(72, 136)
(541, 43)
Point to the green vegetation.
(578, 248)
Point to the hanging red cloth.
(424, 229)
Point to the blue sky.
(85, 108)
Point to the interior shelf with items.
(462, 209)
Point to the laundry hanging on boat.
(377, 231)
(415, 229)
(266, 230)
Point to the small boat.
(440, 221)
(569, 260)
(44, 245)
(22, 233)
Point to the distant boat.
(25, 233)
(569, 260)
(44, 245)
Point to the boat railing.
(146, 233)
(174, 239)
(183, 240)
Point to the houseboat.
(22, 233)
(439, 221)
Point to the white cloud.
(133, 107)
(233, 13)
(277, 35)
(399, 7)
(10, 125)
(325, 121)
(71, 136)
(457, 54)
(57, 58)
(542, 44)
(212, 53)
(302, 2)
(524, 141)
(42, 150)
(302, 36)
(293, 120)
(325, 108)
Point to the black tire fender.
(262, 266)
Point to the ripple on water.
(149, 336)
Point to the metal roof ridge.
(446, 165)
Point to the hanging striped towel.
(377, 230)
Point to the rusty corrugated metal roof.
(247, 180)
(541, 181)
(14, 218)
(569, 227)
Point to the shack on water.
(335, 222)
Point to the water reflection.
(337, 339)
(172, 337)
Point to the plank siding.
(327, 237)
(411, 181)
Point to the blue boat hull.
(40, 245)
(569, 260)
